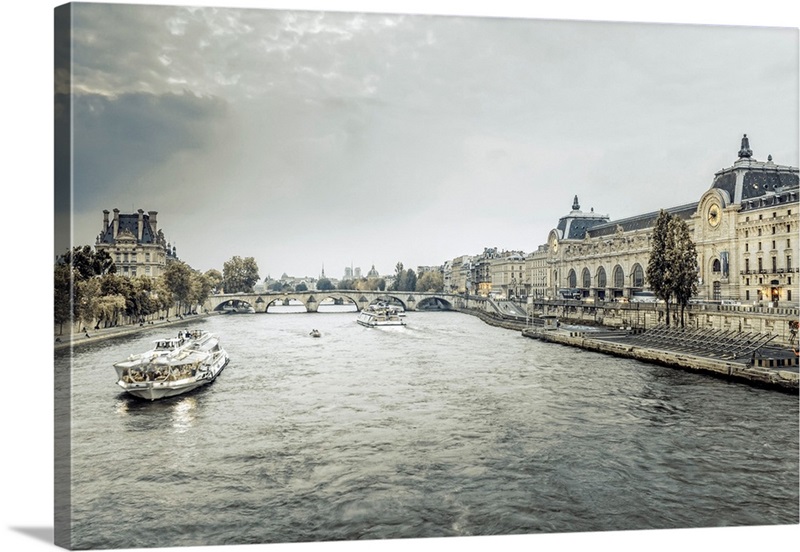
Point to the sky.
(312, 139)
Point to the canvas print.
(335, 276)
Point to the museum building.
(135, 243)
(745, 229)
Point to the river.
(448, 427)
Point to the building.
(745, 229)
(509, 278)
(135, 243)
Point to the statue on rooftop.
(745, 152)
(575, 205)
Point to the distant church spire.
(575, 205)
(745, 151)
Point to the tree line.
(89, 290)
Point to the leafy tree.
(178, 281)
(346, 284)
(201, 286)
(672, 267)
(659, 271)
(301, 287)
(214, 277)
(276, 286)
(239, 275)
(410, 280)
(324, 284)
(684, 264)
(430, 281)
(88, 263)
(87, 299)
(399, 283)
(144, 301)
(62, 301)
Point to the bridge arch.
(235, 306)
(434, 303)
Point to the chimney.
(140, 225)
(153, 215)
(105, 220)
(116, 224)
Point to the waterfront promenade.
(79, 338)
(772, 367)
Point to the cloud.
(119, 140)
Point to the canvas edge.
(62, 222)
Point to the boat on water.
(381, 314)
(237, 309)
(174, 366)
(315, 333)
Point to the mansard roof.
(749, 178)
(641, 222)
(575, 225)
(130, 224)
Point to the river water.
(447, 427)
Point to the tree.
(178, 281)
(301, 287)
(201, 286)
(430, 281)
(324, 284)
(88, 263)
(214, 277)
(62, 300)
(239, 275)
(276, 286)
(399, 283)
(659, 274)
(345, 284)
(684, 264)
(672, 267)
(410, 281)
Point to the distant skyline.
(307, 139)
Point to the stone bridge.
(409, 300)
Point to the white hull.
(175, 366)
(376, 323)
(381, 315)
(153, 390)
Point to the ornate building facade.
(745, 229)
(135, 243)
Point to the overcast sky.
(309, 138)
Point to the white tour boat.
(381, 314)
(173, 366)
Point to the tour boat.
(173, 366)
(381, 314)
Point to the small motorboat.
(315, 333)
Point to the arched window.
(601, 277)
(638, 276)
(715, 266)
(586, 278)
(572, 279)
(619, 277)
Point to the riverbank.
(93, 336)
(779, 374)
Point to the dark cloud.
(119, 139)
